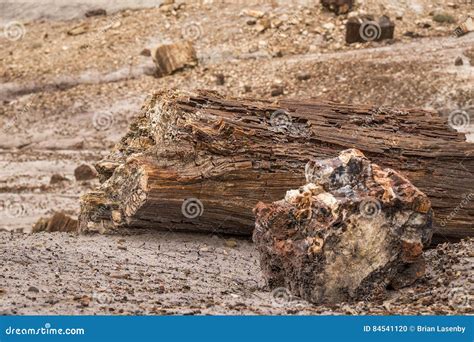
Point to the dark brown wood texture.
(231, 153)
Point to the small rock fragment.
(458, 61)
(303, 76)
(57, 178)
(277, 91)
(338, 6)
(170, 58)
(443, 17)
(96, 12)
(354, 229)
(254, 13)
(145, 52)
(85, 172)
(329, 26)
(33, 289)
(78, 29)
(263, 24)
(220, 79)
(231, 243)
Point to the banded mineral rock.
(351, 231)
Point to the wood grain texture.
(232, 153)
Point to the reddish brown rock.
(85, 172)
(57, 178)
(353, 229)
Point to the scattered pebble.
(85, 172)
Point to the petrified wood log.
(353, 230)
(202, 162)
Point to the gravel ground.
(174, 273)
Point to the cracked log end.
(356, 229)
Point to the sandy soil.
(67, 98)
(174, 273)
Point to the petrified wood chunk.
(221, 156)
(365, 29)
(170, 58)
(59, 222)
(353, 229)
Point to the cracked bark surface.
(225, 155)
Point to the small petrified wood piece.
(201, 162)
(365, 29)
(354, 229)
(170, 58)
(338, 6)
(59, 222)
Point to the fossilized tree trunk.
(201, 162)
